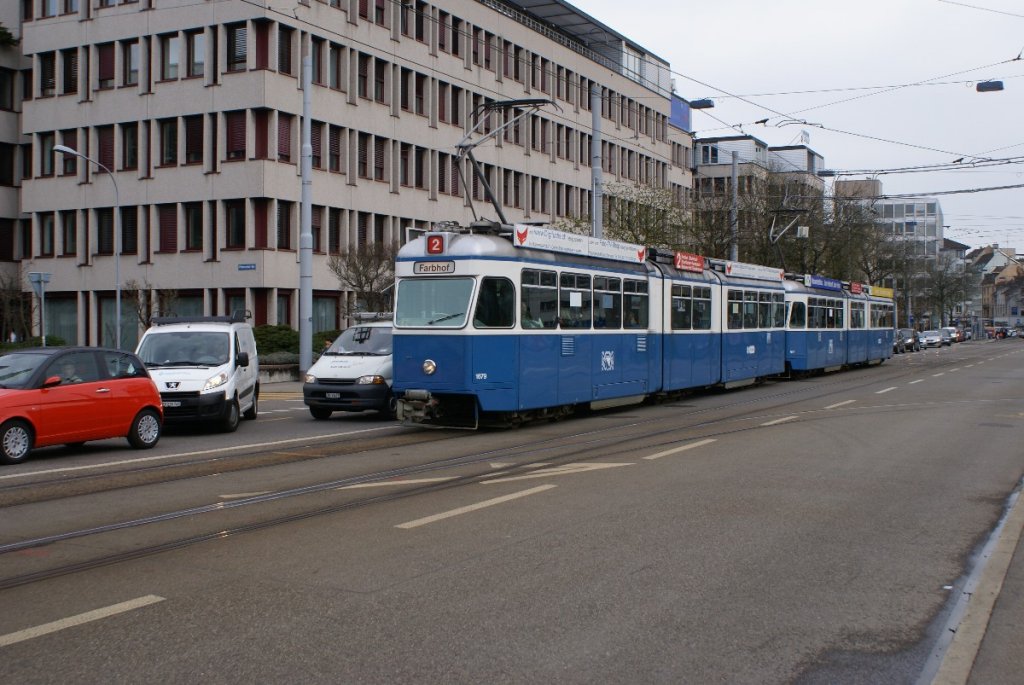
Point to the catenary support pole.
(305, 226)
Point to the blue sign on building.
(246, 267)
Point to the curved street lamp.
(64, 149)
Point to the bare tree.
(15, 308)
(635, 213)
(368, 271)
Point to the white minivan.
(206, 368)
(354, 373)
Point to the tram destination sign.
(754, 271)
(540, 238)
(823, 282)
(433, 268)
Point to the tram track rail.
(550, 451)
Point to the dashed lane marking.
(77, 620)
(778, 421)
(683, 448)
(882, 392)
(473, 507)
(919, 380)
(840, 404)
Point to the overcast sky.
(861, 60)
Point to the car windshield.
(363, 340)
(930, 334)
(185, 348)
(17, 367)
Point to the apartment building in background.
(195, 108)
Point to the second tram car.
(500, 326)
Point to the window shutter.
(335, 148)
(315, 134)
(284, 137)
(105, 142)
(105, 54)
(194, 139)
(260, 219)
(235, 124)
(169, 228)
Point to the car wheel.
(15, 441)
(319, 413)
(145, 430)
(390, 406)
(231, 417)
(252, 411)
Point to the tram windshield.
(434, 302)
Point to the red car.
(68, 395)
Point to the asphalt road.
(805, 531)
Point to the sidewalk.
(989, 643)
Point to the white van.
(354, 373)
(206, 368)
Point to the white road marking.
(233, 448)
(936, 375)
(384, 483)
(956, 369)
(473, 507)
(242, 495)
(778, 421)
(840, 404)
(556, 471)
(919, 380)
(882, 392)
(692, 445)
(72, 621)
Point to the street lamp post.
(64, 149)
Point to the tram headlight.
(429, 367)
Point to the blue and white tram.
(482, 326)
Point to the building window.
(105, 65)
(130, 59)
(235, 124)
(70, 6)
(7, 88)
(335, 67)
(105, 231)
(69, 233)
(380, 68)
(334, 149)
(315, 140)
(237, 50)
(284, 137)
(69, 81)
(194, 139)
(284, 50)
(105, 146)
(130, 146)
(168, 142)
(195, 46)
(379, 150)
(47, 74)
(316, 221)
(284, 225)
(46, 221)
(129, 230)
(170, 56)
(168, 216)
(234, 211)
(193, 225)
(46, 143)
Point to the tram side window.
(856, 315)
(816, 311)
(734, 313)
(701, 309)
(778, 310)
(682, 307)
(840, 314)
(607, 302)
(798, 315)
(574, 300)
(830, 314)
(495, 305)
(764, 310)
(749, 309)
(635, 304)
(539, 299)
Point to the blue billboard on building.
(680, 116)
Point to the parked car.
(933, 339)
(908, 339)
(70, 395)
(955, 334)
(206, 367)
(354, 373)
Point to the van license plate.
(172, 403)
(333, 395)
